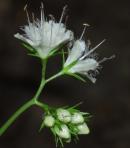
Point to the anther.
(85, 26)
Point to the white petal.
(76, 52)
(83, 129)
(63, 115)
(21, 37)
(84, 66)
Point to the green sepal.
(29, 47)
(76, 76)
(66, 69)
(34, 55)
(63, 58)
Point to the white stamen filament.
(42, 14)
(33, 17)
(25, 9)
(92, 50)
(63, 13)
(61, 18)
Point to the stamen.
(89, 44)
(42, 14)
(105, 59)
(92, 50)
(66, 19)
(63, 13)
(85, 26)
(53, 19)
(33, 17)
(25, 9)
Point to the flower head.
(44, 36)
(82, 60)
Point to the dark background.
(108, 100)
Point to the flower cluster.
(45, 38)
(66, 123)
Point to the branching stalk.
(33, 101)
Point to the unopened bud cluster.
(66, 123)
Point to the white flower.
(63, 131)
(85, 62)
(49, 121)
(45, 35)
(77, 118)
(83, 129)
(63, 115)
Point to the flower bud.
(63, 131)
(83, 129)
(77, 118)
(63, 115)
(68, 140)
(49, 121)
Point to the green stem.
(33, 101)
(43, 81)
(55, 76)
(22, 109)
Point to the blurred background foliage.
(108, 100)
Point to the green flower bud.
(63, 115)
(77, 118)
(63, 131)
(83, 129)
(49, 121)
